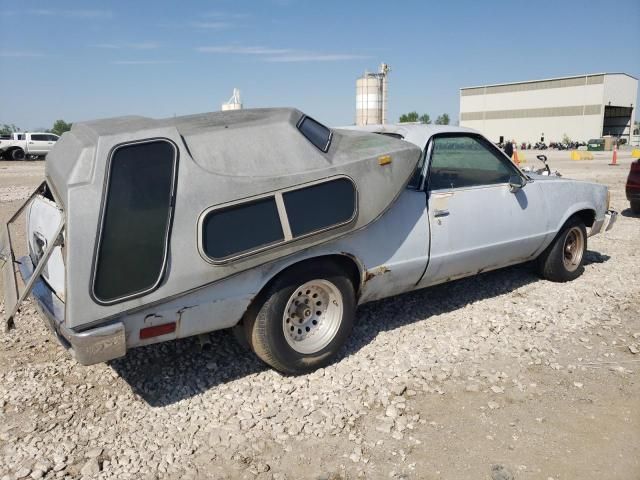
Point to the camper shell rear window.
(133, 240)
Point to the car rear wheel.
(635, 206)
(17, 154)
(563, 260)
(303, 319)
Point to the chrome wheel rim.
(312, 316)
(573, 249)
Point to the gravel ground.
(499, 376)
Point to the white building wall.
(530, 130)
(524, 112)
(553, 97)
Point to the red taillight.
(157, 330)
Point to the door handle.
(31, 143)
(440, 213)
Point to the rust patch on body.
(381, 270)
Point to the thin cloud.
(238, 50)
(130, 46)
(281, 55)
(219, 14)
(212, 25)
(18, 54)
(44, 12)
(142, 62)
(315, 57)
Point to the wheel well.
(588, 217)
(346, 263)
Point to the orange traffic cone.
(614, 160)
(516, 160)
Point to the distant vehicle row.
(19, 145)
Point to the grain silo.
(234, 102)
(371, 97)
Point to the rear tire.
(17, 154)
(563, 260)
(303, 318)
(635, 206)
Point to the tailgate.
(45, 229)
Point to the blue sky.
(87, 59)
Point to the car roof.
(416, 133)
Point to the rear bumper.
(88, 347)
(605, 224)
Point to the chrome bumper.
(89, 347)
(605, 224)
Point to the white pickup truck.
(18, 145)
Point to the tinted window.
(465, 162)
(136, 219)
(241, 228)
(40, 138)
(316, 133)
(53, 138)
(320, 206)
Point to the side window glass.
(316, 133)
(464, 161)
(416, 179)
(241, 228)
(321, 206)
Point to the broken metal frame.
(12, 300)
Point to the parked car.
(20, 145)
(271, 223)
(633, 186)
(595, 145)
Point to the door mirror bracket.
(516, 183)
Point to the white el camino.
(270, 223)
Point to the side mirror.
(516, 182)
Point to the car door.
(52, 139)
(477, 222)
(37, 143)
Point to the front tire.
(563, 260)
(303, 319)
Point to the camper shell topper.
(143, 223)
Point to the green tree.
(443, 119)
(6, 129)
(409, 117)
(425, 118)
(60, 126)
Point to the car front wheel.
(303, 319)
(563, 260)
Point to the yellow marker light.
(384, 160)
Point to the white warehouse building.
(580, 107)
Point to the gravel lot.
(497, 377)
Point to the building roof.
(549, 79)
